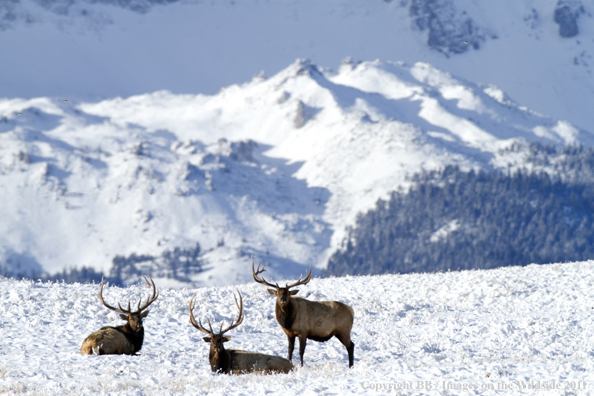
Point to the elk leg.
(302, 342)
(291, 346)
(351, 351)
(350, 346)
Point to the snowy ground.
(461, 329)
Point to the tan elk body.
(233, 361)
(120, 340)
(314, 320)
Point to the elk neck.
(134, 337)
(220, 361)
(286, 315)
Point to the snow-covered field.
(500, 329)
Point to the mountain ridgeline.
(456, 220)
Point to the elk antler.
(301, 282)
(233, 325)
(260, 279)
(149, 300)
(128, 311)
(193, 321)
(239, 317)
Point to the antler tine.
(150, 299)
(193, 321)
(240, 307)
(129, 311)
(140, 299)
(296, 283)
(304, 281)
(209, 326)
(257, 272)
(121, 310)
(239, 317)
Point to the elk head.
(283, 294)
(134, 319)
(219, 358)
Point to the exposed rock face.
(567, 13)
(450, 31)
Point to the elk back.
(251, 362)
(107, 341)
(320, 320)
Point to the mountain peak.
(506, 43)
(277, 167)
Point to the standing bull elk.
(233, 361)
(316, 320)
(120, 340)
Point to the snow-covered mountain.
(276, 167)
(515, 330)
(539, 52)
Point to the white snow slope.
(504, 331)
(76, 48)
(87, 181)
(276, 167)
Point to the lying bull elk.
(126, 339)
(316, 320)
(232, 361)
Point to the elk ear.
(225, 339)
(272, 291)
(206, 339)
(124, 317)
(144, 314)
(293, 292)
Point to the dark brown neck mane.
(220, 363)
(286, 317)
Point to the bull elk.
(314, 320)
(120, 340)
(233, 361)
